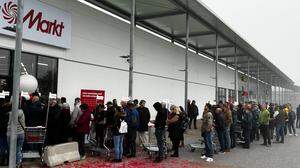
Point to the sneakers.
(209, 160)
(295, 135)
(203, 157)
(290, 134)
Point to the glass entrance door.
(5, 61)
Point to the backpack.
(184, 121)
(123, 127)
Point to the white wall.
(100, 39)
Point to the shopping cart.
(35, 139)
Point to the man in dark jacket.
(5, 107)
(160, 124)
(193, 113)
(291, 122)
(34, 114)
(144, 115)
(280, 124)
(255, 123)
(132, 119)
(247, 125)
(220, 126)
(55, 125)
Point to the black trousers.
(232, 136)
(254, 134)
(130, 146)
(298, 122)
(79, 138)
(266, 134)
(175, 144)
(195, 122)
(247, 134)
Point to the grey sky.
(271, 26)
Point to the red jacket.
(83, 123)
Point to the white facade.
(93, 61)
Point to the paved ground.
(277, 156)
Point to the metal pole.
(132, 33)
(186, 61)
(279, 96)
(248, 79)
(275, 88)
(16, 85)
(257, 84)
(236, 76)
(216, 66)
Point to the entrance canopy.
(168, 18)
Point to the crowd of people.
(129, 120)
(251, 119)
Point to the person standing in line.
(82, 128)
(160, 124)
(99, 123)
(255, 123)
(291, 122)
(20, 135)
(76, 113)
(174, 128)
(5, 108)
(298, 117)
(247, 124)
(193, 113)
(280, 123)
(117, 136)
(144, 115)
(132, 119)
(228, 121)
(272, 124)
(206, 131)
(54, 127)
(233, 127)
(264, 119)
(65, 120)
(220, 125)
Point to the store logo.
(35, 19)
(9, 11)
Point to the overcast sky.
(271, 26)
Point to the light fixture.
(42, 64)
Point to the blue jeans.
(20, 142)
(160, 135)
(222, 139)
(227, 139)
(280, 132)
(3, 145)
(118, 145)
(208, 144)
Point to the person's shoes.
(281, 141)
(222, 152)
(158, 160)
(227, 150)
(290, 134)
(295, 135)
(174, 155)
(246, 147)
(209, 159)
(203, 157)
(116, 160)
(263, 144)
(82, 157)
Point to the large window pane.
(47, 75)
(4, 62)
(28, 63)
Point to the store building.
(84, 53)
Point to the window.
(4, 62)
(222, 94)
(47, 75)
(231, 95)
(42, 67)
(28, 64)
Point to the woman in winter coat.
(20, 135)
(117, 136)
(174, 128)
(82, 128)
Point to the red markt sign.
(92, 97)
